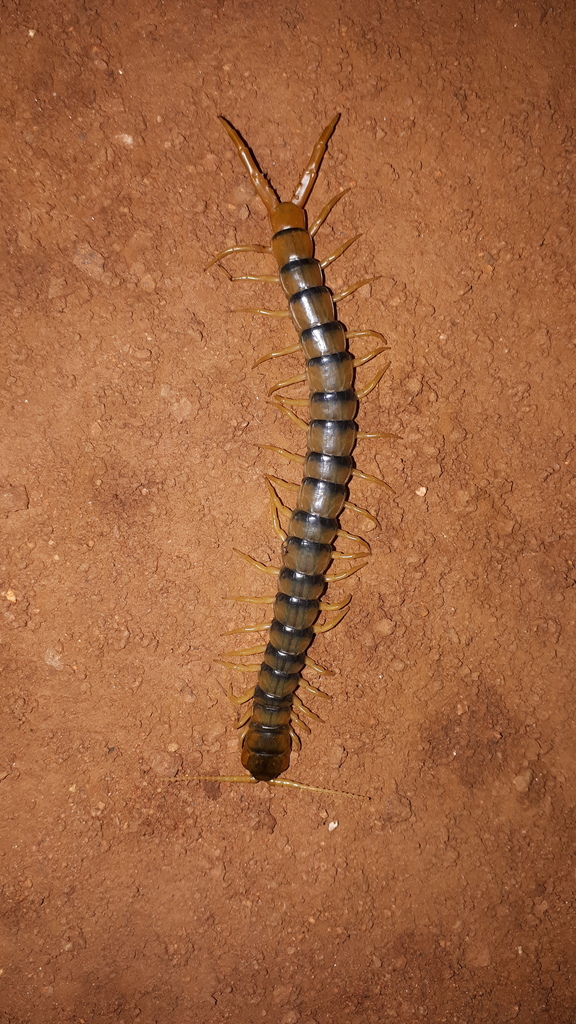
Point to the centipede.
(273, 712)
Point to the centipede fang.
(272, 709)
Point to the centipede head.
(287, 215)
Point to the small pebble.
(13, 499)
(523, 780)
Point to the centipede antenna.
(308, 178)
(261, 185)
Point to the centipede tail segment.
(308, 545)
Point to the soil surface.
(131, 469)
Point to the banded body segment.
(308, 549)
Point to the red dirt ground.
(130, 469)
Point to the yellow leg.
(295, 401)
(295, 738)
(354, 536)
(371, 355)
(271, 278)
(276, 503)
(318, 668)
(292, 456)
(327, 209)
(344, 575)
(354, 287)
(271, 570)
(273, 355)
(277, 404)
(303, 710)
(325, 606)
(333, 622)
(361, 511)
(372, 479)
(361, 435)
(245, 651)
(284, 483)
(308, 178)
(236, 665)
(348, 554)
(272, 782)
(305, 685)
(298, 379)
(256, 628)
(373, 383)
(363, 334)
(253, 600)
(264, 312)
(341, 249)
(243, 698)
(238, 248)
(296, 718)
(244, 719)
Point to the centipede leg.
(292, 415)
(256, 628)
(280, 352)
(326, 210)
(305, 685)
(238, 666)
(294, 717)
(361, 512)
(361, 360)
(276, 504)
(243, 720)
(344, 575)
(362, 334)
(354, 536)
(264, 312)
(303, 710)
(295, 737)
(291, 456)
(341, 249)
(245, 651)
(354, 287)
(326, 606)
(333, 622)
(238, 248)
(317, 668)
(271, 570)
(298, 379)
(243, 698)
(373, 383)
(269, 278)
(372, 479)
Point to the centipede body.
(308, 544)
